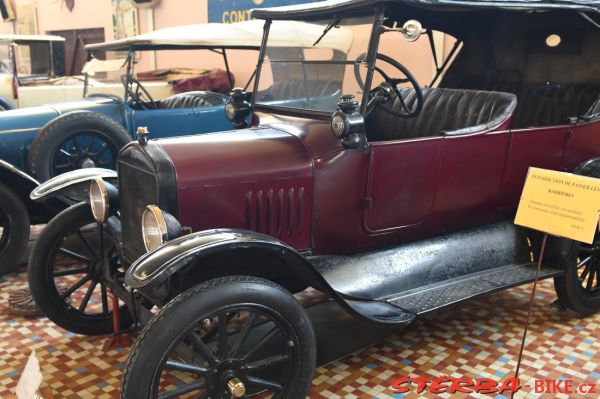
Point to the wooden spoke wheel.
(234, 337)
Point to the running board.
(438, 296)
(396, 284)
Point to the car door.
(165, 122)
(470, 177)
(584, 141)
(401, 183)
(540, 147)
(211, 118)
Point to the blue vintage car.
(39, 143)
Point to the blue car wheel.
(76, 140)
(84, 150)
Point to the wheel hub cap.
(236, 388)
(88, 163)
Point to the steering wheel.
(382, 95)
(140, 95)
(5, 68)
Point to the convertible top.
(31, 38)
(321, 8)
(241, 35)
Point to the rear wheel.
(579, 288)
(14, 229)
(66, 274)
(76, 140)
(227, 338)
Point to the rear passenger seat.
(546, 105)
(553, 104)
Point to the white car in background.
(33, 72)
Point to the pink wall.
(53, 15)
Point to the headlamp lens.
(154, 228)
(230, 111)
(338, 124)
(99, 200)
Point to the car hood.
(19, 127)
(35, 118)
(258, 179)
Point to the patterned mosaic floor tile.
(479, 339)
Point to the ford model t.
(53, 139)
(394, 199)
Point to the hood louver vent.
(276, 212)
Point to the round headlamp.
(339, 124)
(230, 111)
(154, 227)
(99, 199)
(237, 108)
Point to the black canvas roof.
(333, 6)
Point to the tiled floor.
(478, 339)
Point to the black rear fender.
(561, 252)
(22, 183)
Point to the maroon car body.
(345, 175)
(497, 107)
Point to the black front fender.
(157, 267)
(74, 184)
(16, 173)
(180, 264)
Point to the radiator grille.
(138, 188)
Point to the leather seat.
(192, 99)
(547, 105)
(544, 104)
(595, 110)
(445, 112)
(293, 89)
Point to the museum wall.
(50, 16)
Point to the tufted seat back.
(292, 89)
(445, 112)
(547, 105)
(192, 99)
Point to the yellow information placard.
(560, 204)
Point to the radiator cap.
(142, 133)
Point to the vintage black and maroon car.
(394, 199)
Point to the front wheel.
(66, 275)
(227, 338)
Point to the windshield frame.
(46, 45)
(378, 18)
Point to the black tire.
(579, 288)
(45, 284)
(14, 222)
(67, 132)
(163, 336)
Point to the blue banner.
(229, 11)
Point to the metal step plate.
(436, 296)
